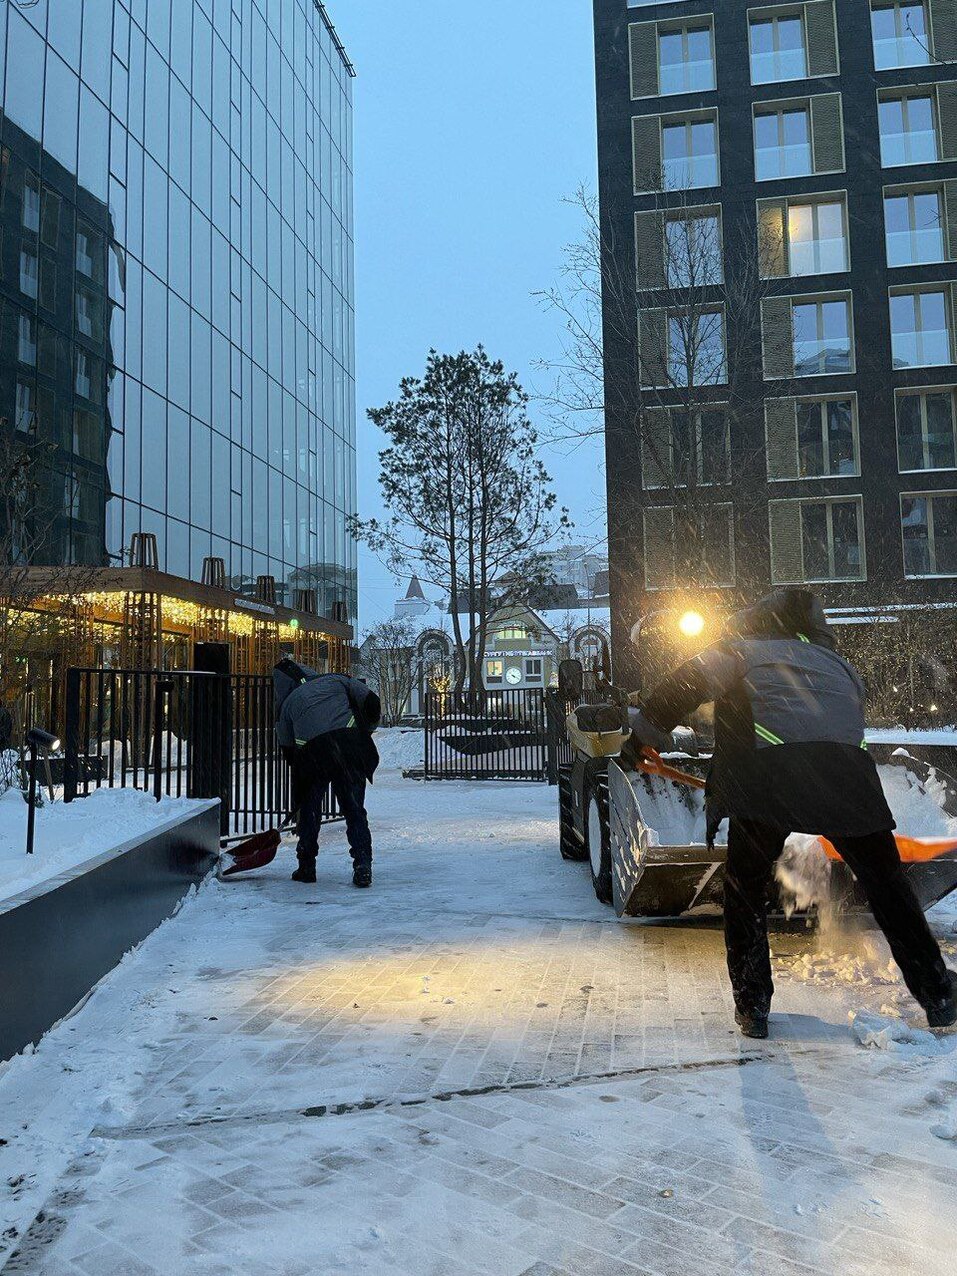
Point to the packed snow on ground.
(900, 735)
(69, 833)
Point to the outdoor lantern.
(37, 740)
(691, 624)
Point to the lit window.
(494, 671)
(685, 60)
(696, 348)
(826, 437)
(920, 328)
(926, 437)
(913, 227)
(782, 143)
(690, 153)
(822, 337)
(513, 633)
(908, 132)
(777, 49)
(899, 31)
(929, 530)
(816, 238)
(831, 540)
(693, 250)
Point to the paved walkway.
(474, 1068)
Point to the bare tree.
(694, 297)
(35, 604)
(470, 507)
(388, 661)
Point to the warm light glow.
(691, 624)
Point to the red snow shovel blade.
(255, 852)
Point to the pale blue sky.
(472, 122)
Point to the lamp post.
(37, 739)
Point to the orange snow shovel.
(256, 851)
(652, 763)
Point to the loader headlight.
(691, 624)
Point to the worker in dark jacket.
(324, 725)
(789, 756)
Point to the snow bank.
(400, 747)
(69, 833)
(899, 735)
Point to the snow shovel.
(256, 851)
(652, 763)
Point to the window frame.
(813, 200)
(694, 213)
(706, 115)
(918, 290)
(779, 108)
(821, 401)
(921, 393)
(906, 93)
(896, 6)
(909, 192)
(494, 679)
(677, 313)
(774, 16)
(683, 26)
(819, 300)
(533, 678)
(932, 551)
(700, 481)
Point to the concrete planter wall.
(60, 937)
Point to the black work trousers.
(350, 792)
(753, 850)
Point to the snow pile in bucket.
(672, 815)
(400, 747)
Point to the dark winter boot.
(941, 1014)
(305, 872)
(362, 875)
(752, 1024)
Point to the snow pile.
(400, 748)
(672, 814)
(828, 964)
(69, 833)
(882, 1032)
(918, 805)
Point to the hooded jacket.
(325, 719)
(789, 723)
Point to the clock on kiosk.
(513, 675)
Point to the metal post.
(71, 760)
(32, 800)
(163, 686)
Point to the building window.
(513, 633)
(494, 672)
(826, 438)
(778, 49)
(689, 153)
(533, 670)
(29, 275)
(26, 339)
(822, 336)
(31, 203)
(716, 545)
(696, 348)
(685, 59)
(682, 449)
(920, 328)
(782, 143)
(802, 237)
(707, 546)
(913, 227)
(929, 530)
(926, 438)
(908, 132)
(26, 406)
(831, 540)
(899, 31)
(693, 255)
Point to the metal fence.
(498, 736)
(179, 734)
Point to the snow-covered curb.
(70, 835)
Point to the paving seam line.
(289, 1115)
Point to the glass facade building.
(176, 265)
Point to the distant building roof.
(415, 589)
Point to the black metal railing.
(500, 735)
(179, 734)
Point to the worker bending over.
(789, 756)
(324, 725)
